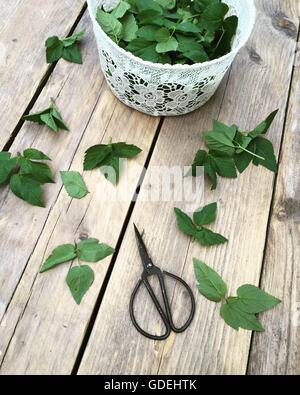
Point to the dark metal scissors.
(151, 270)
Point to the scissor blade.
(145, 257)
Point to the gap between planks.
(44, 79)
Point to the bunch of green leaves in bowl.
(171, 31)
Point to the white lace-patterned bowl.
(165, 90)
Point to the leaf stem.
(249, 152)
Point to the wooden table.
(42, 330)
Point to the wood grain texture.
(26, 26)
(277, 351)
(42, 323)
(258, 83)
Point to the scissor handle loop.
(167, 318)
(193, 305)
(158, 307)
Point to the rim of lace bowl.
(164, 89)
(179, 67)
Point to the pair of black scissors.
(166, 315)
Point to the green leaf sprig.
(195, 227)
(81, 277)
(74, 184)
(240, 311)
(231, 151)
(170, 31)
(50, 117)
(108, 158)
(66, 48)
(25, 175)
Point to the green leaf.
(107, 158)
(7, 165)
(61, 254)
(40, 172)
(229, 31)
(221, 138)
(72, 54)
(34, 154)
(207, 237)
(121, 9)
(123, 150)
(91, 250)
(27, 189)
(184, 223)
(130, 28)
(223, 165)
(199, 161)
(167, 4)
(213, 15)
(110, 24)
(79, 280)
(50, 117)
(144, 49)
(148, 32)
(242, 161)
(166, 46)
(95, 155)
(187, 27)
(54, 48)
(66, 48)
(263, 127)
(253, 300)
(69, 41)
(111, 169)
(206, 215)
(74, 184)
(162, 35)
(210, 284)
(265, 149)
(239, 319)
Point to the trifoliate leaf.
(79, 280)
(91, 250)
(201, 234)
(206, 215)
(59, 255)
(107, 158)
(67, 48)
(74, 184)
(50, 117)
(210, 284)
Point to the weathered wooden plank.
(42, 323)
(26, 26)
(277, 351)
(7, 9)
(258, 83)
